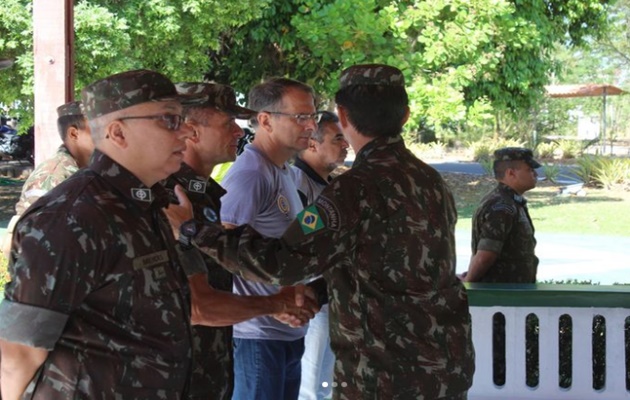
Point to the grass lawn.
(600, 212)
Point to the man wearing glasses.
(383, 236)
(261, 192)
(98, 305)
(326, 151)
(214, 140)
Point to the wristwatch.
(187, 232)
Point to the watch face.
(189, 228)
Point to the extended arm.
(218, 308)
(246, 252)
(18, 366)
(480, 263)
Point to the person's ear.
(196, 134)
(115, 132)
(72, 133)
(312, 144)
(264, 121)
(406, 117)
(510, 172)
(343, 117)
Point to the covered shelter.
(588, 90)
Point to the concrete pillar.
(53, 37)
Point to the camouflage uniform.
(112, 309)
(502, 225)
(399, 321)
(213, 369)
(96, 279)
(46, 176)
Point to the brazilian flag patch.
(310, 221)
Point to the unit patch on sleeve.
(331, 211)
(310, 221)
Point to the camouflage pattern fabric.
(68, 109)
(516, 154)
(213, 363)
(382, 234)
(97, 282)
(371, 74)
(502, 225)
(46, 176)
(221, 97)
(120, 91)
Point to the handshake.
(292, 305)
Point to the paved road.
(562, 256)
(566, 175)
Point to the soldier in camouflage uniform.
(73, 154)
(382, 234)
(98, 306)
(503, 240)
(326, 151)
(214, 141)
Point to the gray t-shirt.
(264, 196)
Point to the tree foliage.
(466, 61)
(171, 36)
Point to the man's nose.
(311, 124)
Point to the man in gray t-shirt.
(261, 192)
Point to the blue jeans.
(267, 369)
(318, 361)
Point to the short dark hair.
(268, 95)
(500, 167)
(68, 121)
(375, 110)
(327, 118)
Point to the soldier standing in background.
(72, 155)
(503, 242)
(382, 234)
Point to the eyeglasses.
(301, 119)
(172, 122)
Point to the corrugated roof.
(583, 90)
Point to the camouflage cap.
(221, 97)
(371, 74)
(71, 108)
(126, 89)
(516, 154)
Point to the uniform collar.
(195, 183)
(511, 192)
(127, 183)
(376, 145)
(310, 172)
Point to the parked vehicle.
(17, 147)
